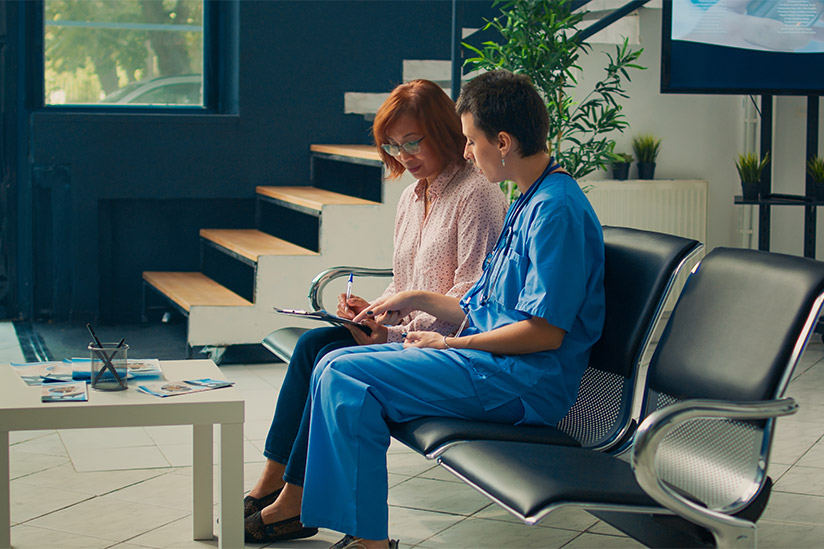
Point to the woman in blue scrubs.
(527, 325)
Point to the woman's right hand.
(356, 305)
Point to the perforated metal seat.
(640, 268)
(699, 458)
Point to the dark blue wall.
(100, 177)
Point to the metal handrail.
(325, 277)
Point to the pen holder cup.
(109, 366)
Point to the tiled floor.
(65, 494)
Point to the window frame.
(220, 34)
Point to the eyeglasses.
(411, 147)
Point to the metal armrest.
(728, 531)
(325, 277)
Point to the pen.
(348, 291)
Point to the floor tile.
(91, 483)
(28, 502)
(177, 534)
(119, 458)
(479, 534)
(408, 463)
(814, 456)
(794, 508)
(29, 537)
(569, 518)
(802, 480)
(589, 540)
(162, 491)
(22, 464)
(108, 518)
(49, 444)
(437, 495)
(16, 437)
(413, 526)
(793, 440)
(784, 535)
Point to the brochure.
(323, 316)
(211, 383)
(37, 373)
(139, 368)
(174, 388)
(61, 392)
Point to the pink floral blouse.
(445, 251)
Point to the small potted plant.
(749, 168)
(815, 169)
(646, 149)
(620, 165)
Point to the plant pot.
(620, 171)
(750, 189)
(646, 170)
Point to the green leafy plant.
(750, 166)
(620, 158)
(815, 167)
(646, 148)
(539, 38)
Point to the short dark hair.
(501, 101)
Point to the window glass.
(124, 52)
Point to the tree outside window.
(96, 50)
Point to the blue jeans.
(288, 435)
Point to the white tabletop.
(21, 408)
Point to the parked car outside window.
(165, 90)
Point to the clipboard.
(323, 316)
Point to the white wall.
(701, 136)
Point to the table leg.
(230, 529)
(202, 483)
(5, 489)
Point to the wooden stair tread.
(367, 152)
(189, 289)
(252, 243)
(312, 197)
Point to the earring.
(503, 161)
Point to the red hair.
(429, 105)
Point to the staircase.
(344, 217)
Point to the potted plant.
(620, 165)
(542, 39)
(749, 168)
(646, 149)
(815, 169)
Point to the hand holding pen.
(348, 291)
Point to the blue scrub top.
(549, 263)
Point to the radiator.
(673, 207)
(676, 207)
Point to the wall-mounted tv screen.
(743, 47)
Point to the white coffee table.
(21, 409)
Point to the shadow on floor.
(164, 341)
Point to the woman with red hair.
(446, 224)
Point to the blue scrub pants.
(289, 432)
(354, 393)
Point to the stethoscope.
(501, 249)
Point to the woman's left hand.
(379, 333)
(432, 340)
